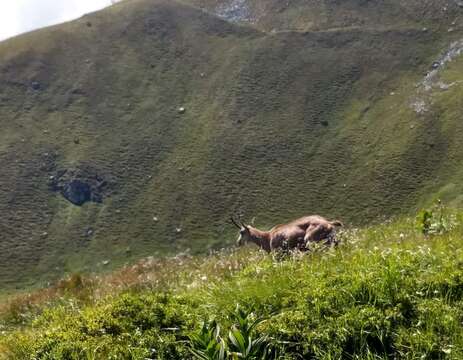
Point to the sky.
(19, 16)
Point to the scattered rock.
(89, 24)
(155, 219)
(78, 91)
(105, 262)
(89, 232)
(443, 86)
(36, 85)
(181, 110)
(419, 106)
(76, 141)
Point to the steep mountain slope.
(99, 162)
(316, 15)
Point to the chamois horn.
(235, 223)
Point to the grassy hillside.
(276, 124)
(388, 292)
(316, 15)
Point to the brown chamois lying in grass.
(294, 235)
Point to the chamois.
(296, 234)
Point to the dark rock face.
(80, 186)
(77, 192)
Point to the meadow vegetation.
(305, 110)
(389, 291)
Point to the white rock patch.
(432, 81)
(235, 11)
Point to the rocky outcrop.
(80, 185)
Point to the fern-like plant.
(207, 343)
(242, 342)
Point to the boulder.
(36, 85)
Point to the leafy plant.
(207, 343)
(435, 221)
(242, 340)
(424, 219)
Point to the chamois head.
(245, 233)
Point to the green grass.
(277, 125)
(388, 292)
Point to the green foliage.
(424, 221)
(128, 327)
(242, 343)
(387, 292)
(436, 220)
(208, 344)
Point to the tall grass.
(387, 292)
